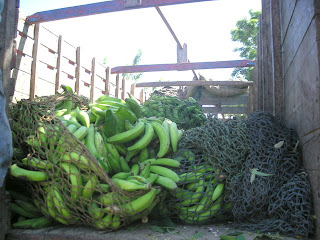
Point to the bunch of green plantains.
(101, 164)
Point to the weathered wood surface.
(298, 25)
(286, 8)
(276, 56)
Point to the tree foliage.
(134, 76)
(246, 33)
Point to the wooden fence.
(44, 61)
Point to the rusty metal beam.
(100, 7)
(182, 66)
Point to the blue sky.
(205, 27)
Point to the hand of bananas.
(26, 213)
(81, 161)
(199, 197)
(186, 114)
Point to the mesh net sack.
(268, 189)
(67, 182)
(210, 156)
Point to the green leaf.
(240, 237)
(155, 228)
(198, 235)
(256, 172)
(279, 144)
(252, 177)
(235, 233)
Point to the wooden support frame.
(98, 8)
(78, 68)
(182, 66)
(107, 82)
(123, 88)
(34, 62)
(116, 94)
(59, 56)
(93, 75)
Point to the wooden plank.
(98, 8)
(141, 96)
(207, 99)
(286, 8)
(310, 154)
(132, 89)
(225, 110)
(59, 56)
(93, 74)
(182, 66)
(34, 62)
(194, 83)
(123, 88)
(302, 86)
(301, 19)
(117, 86)
(107, 82)
(260, 69)
(278, 98)
(267, 68)
(78, 70)
(169, 27)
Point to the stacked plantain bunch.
(210, 156)
(185, 113)
(102, 164)
(199, 198)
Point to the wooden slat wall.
(41, 70)
(294, 27)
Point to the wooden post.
(58, 73)
(34, 62)
(141, 96)
(107, 85)
(123, 92)
(132, 88)
(78, 68)
(116, 94)
(278, 88)
(93, 73)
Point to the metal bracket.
(182, 54)
(132, 3)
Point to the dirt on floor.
(142, 232)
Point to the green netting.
(68, 184)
